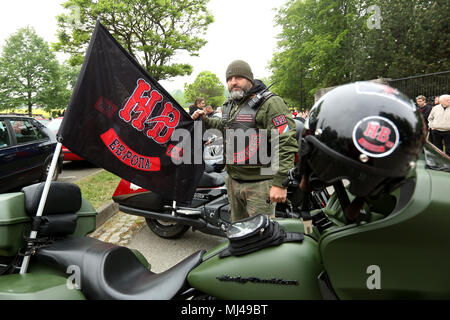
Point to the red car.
(68, 155)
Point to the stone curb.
(119, 229)
(106, 211)
(114, 226)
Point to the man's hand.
(197, 114)
(278, 194)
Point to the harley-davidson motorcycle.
(384, 235)
(405, 234)
(208, 211)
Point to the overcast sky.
(243, 29)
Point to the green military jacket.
(266, 118)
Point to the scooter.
(208, 211)
(398, 251)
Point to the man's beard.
(237, 94)
(240, 93)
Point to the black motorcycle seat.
(110, 272)
(212, 179)
(209, 168)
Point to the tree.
(178, 95)
(153, 32)
(312, 47)
(331, 42)
(68, 78)
(410, 40)
(208, 86)
(29, 73)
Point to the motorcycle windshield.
(435, 158)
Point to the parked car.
(42, 120)
(26, 151)
(68, 155)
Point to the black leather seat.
(209, 168)
(113, 272)
(210, 180)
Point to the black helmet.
(368, 133)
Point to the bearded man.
(266, 123)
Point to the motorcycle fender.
(286, 271)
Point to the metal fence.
(429, 85)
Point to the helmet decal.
(376, 136)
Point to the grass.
(98, 188)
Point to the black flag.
(121, 119)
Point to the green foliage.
(208, 86)
(68, 76)
(266, 81)
(153, 32)
(178, 95)
(30, 75)
(331, 42)
(410, 41)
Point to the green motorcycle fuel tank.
(287, 271)
(399, 251)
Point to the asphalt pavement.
(132, 231)
(75, 170)
(165, 253)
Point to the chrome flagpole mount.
(33, 234)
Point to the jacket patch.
(279, 120)
(244, 118)
(283, 129)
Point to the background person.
(199, 104)
(424, 108)
(248, 189)
(436, 101)
(439, 122)
(209, 111)
(218, 113)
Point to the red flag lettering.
(140, 104)
(164, 121)
(126, 155)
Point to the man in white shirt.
(439, 123)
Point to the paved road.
(164, 253)
(74, 170)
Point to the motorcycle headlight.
(247, 227)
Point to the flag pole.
(33, 234)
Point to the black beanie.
(239, 68)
